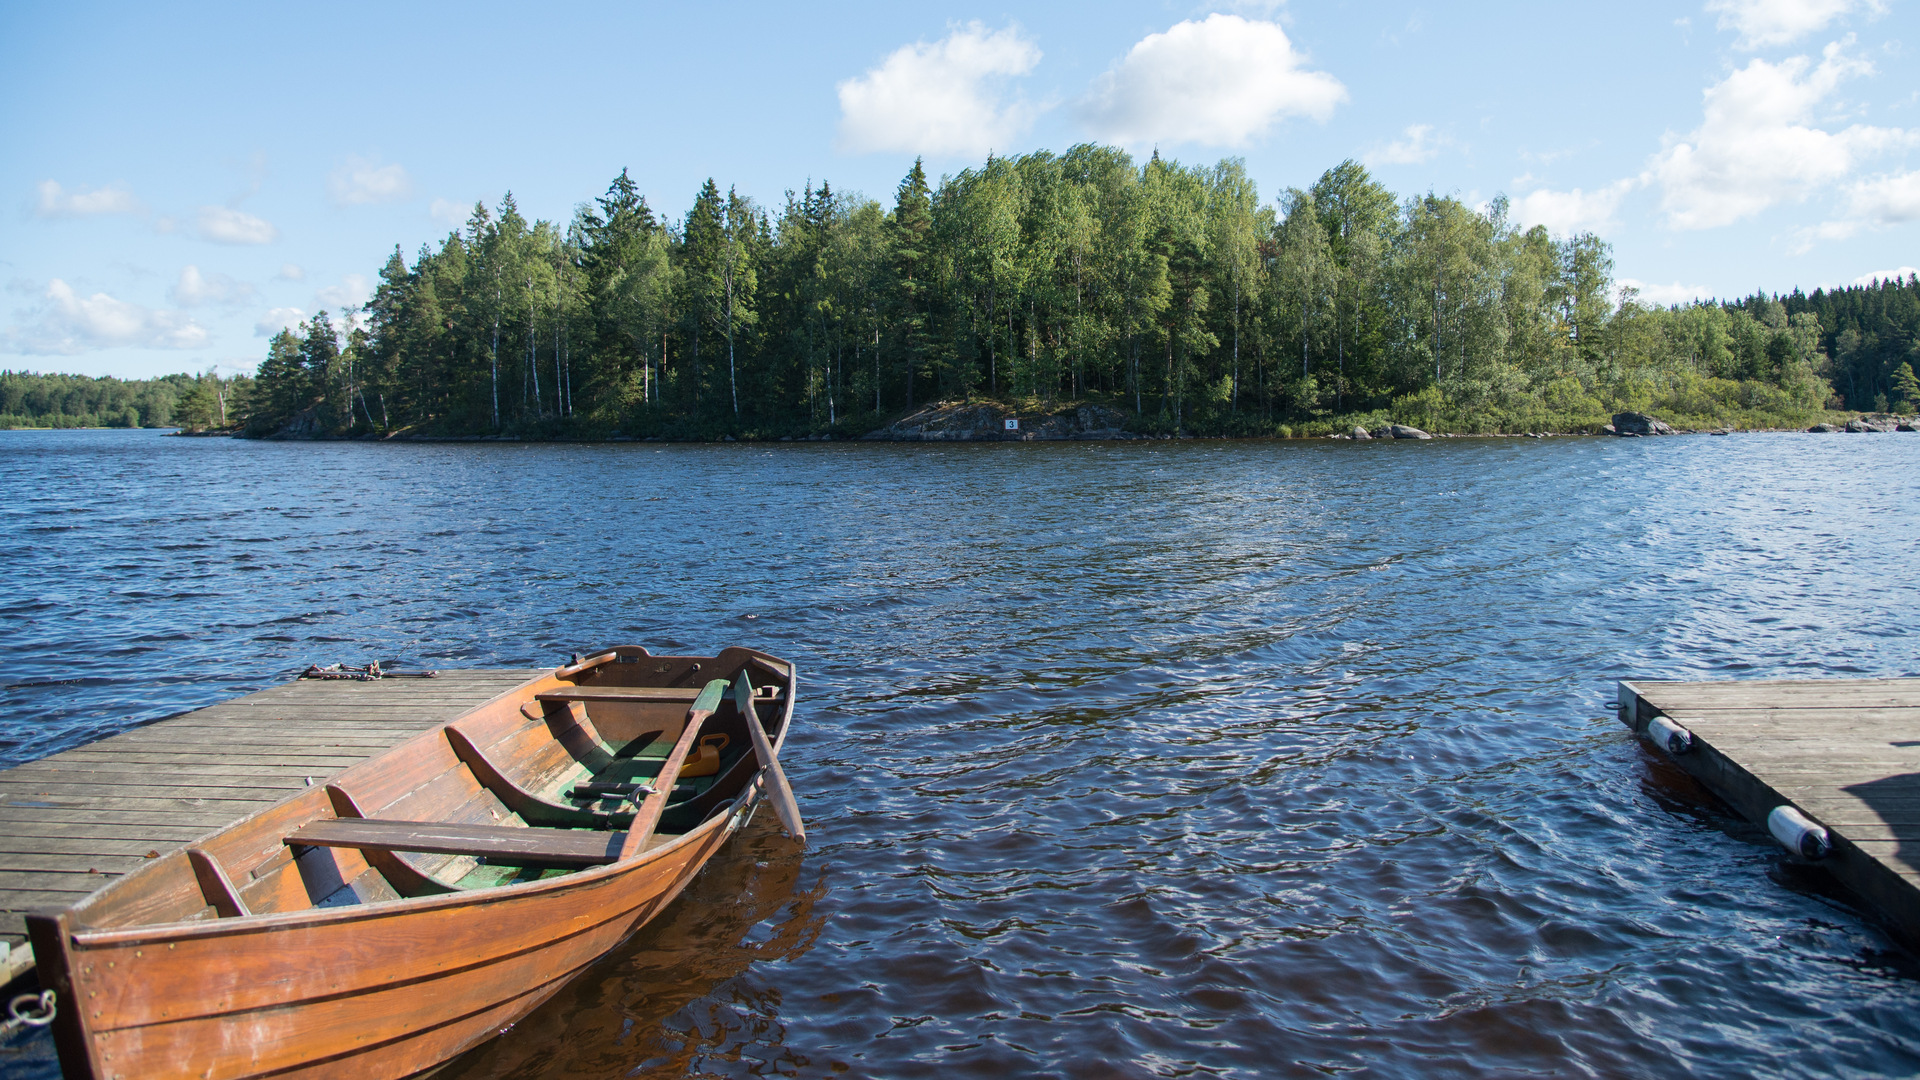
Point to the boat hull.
(352, 992)
(373, 990)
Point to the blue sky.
(180, 181)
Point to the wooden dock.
(72, 822)
(1844, 752)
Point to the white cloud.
(1221, 82)
(1886, 200)
(1805, 239)
(944, 98)
(1777, 22)
(290, 272)
(194, 288)
(364, 180)
(1565, 213)
(66, 323)
(58, 202)
(1756, 147)
(276, 320)
(448, 212)
(346, 299)
(1665, 295)
(1891, 199)
(1886, 275)
(352, 291)
(1418, 146)
(226, 225)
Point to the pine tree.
(907, 237)
(703, 244)
(1906, 389)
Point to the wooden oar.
(647, 818)
(779, 791)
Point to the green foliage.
(1906, 389)
(196, 402)
(1868, 331)
(1169, 291)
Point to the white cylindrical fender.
(1798, 833)
(1669, 736)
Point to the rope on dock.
(369, 673)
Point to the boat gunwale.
(270, 921)
(267, 922)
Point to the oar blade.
(779, 792)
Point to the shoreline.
(1130, 438)
(999, 422)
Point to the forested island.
(1170, 293)
(201, 402)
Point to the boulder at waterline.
(1361, 433)
(1402, 431)
(1633, 423)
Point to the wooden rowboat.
(418, 903)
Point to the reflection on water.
(1119, 760)
(682, 990)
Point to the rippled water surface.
(1119, 760)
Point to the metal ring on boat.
(30, 1010)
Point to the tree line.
(1870, 335)
(1173, 293)
(208, 401)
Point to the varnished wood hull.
(372, 990)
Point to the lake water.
(1118, 760)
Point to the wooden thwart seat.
(673, 695)
(505, 845)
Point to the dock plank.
(1845, 752)
(156, 788)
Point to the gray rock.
(1907, 425)
(1361, 433)
(1633, 423)
(1863, 424)
(1402, 431)
(1823, 429)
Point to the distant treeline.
(1171, 292)
(29, 400)
(1870, 334)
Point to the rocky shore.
(991, 422)
(1637, 425)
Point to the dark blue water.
(1163, 759)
